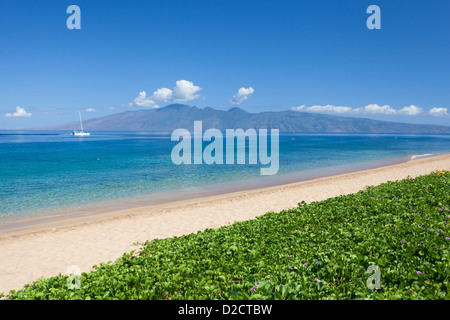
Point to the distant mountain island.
(176, 116)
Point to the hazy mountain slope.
(176, 116)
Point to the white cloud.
(20, 112)
(183, 91)
(439, 112)
(376, 109)
(162, 94)
(412, 110)
(91, 110)
(143, 101)
(369, 109)
(324, 109)
(242, 95)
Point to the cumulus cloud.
(162, 94)
(369, 109)
(242, 95)
(143, 101)
(183, 91)
(376, 109)
(412, 110)
(91, 110)
(439, 112)
(20, 112)
(323, 109)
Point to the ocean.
(48, 173)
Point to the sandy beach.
(46, 249)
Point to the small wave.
(418, 156)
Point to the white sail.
(81, 122)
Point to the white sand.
(47, 249)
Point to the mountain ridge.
(176, 116)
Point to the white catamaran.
(80, 132)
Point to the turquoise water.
(45, 173)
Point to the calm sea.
(48, 173)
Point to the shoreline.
(47, 249)
(168, 198)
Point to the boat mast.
(81, 123)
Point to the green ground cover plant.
(319, 250)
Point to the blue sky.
(314, 56)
